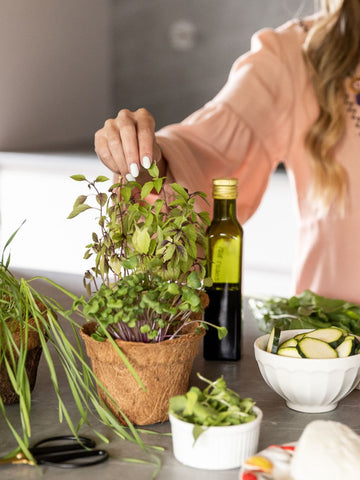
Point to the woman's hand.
(127, 145)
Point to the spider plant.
(24, 311)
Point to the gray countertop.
(280, 424)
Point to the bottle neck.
(224, 208)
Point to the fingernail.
(134, 170)
(129, 178)
(146, 162)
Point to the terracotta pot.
(34, 351)
(163, 367)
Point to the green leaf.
(80, 200)
(146, 189)
(193, 280)
(130, 263)
(169, 252)
(125, 192)
(101, 178)
(115, 264)
(197, 431)
(222, 332)
(78, 209)
(78, 178)
(153, 170)
(159, 203)
(180, 190)
(101, 198)
(191, 297)
(141, 240)
(158, 184)
(205, 217)
(173, 288)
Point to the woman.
(294, 98)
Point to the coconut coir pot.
(163, 367)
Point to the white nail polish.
(146, 162)
(134, 170)
(129, 178)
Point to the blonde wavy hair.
(332, 52)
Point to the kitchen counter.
(280, 424)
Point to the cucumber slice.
(289, 352)
(347, 347)
(274, 340)
(299, 336)
(332, 335)
(310, 347)
(292, 342)
(356, 346)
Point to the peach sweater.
(257, 120)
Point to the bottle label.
(226, 255)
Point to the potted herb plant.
(145, 293)
(214, 428)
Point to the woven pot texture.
(163, 367)
(34, 351)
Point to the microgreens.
(216, 405)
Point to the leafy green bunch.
(216, 405)
(306, 310)
(140, 308)
(165, 236)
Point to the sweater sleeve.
(243, 132)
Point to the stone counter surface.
(280, 424)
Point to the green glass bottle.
(224, 266)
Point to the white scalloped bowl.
(307, 385)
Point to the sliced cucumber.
(299, 336)
(347, 347)
(332, 335)
(356, 346)
(292, 342)
(289, 352)
(274, 340)
(310, 347)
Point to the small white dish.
(218, 448)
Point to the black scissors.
(64, 452)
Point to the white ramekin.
(218, 448)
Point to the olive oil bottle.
(224, 265)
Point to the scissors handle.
(77, 443)
(64, 460)
(69, 453)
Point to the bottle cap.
(225, 188)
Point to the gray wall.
(66, 65)
(55, 85)
(172, 67)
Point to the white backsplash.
(37, 188)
